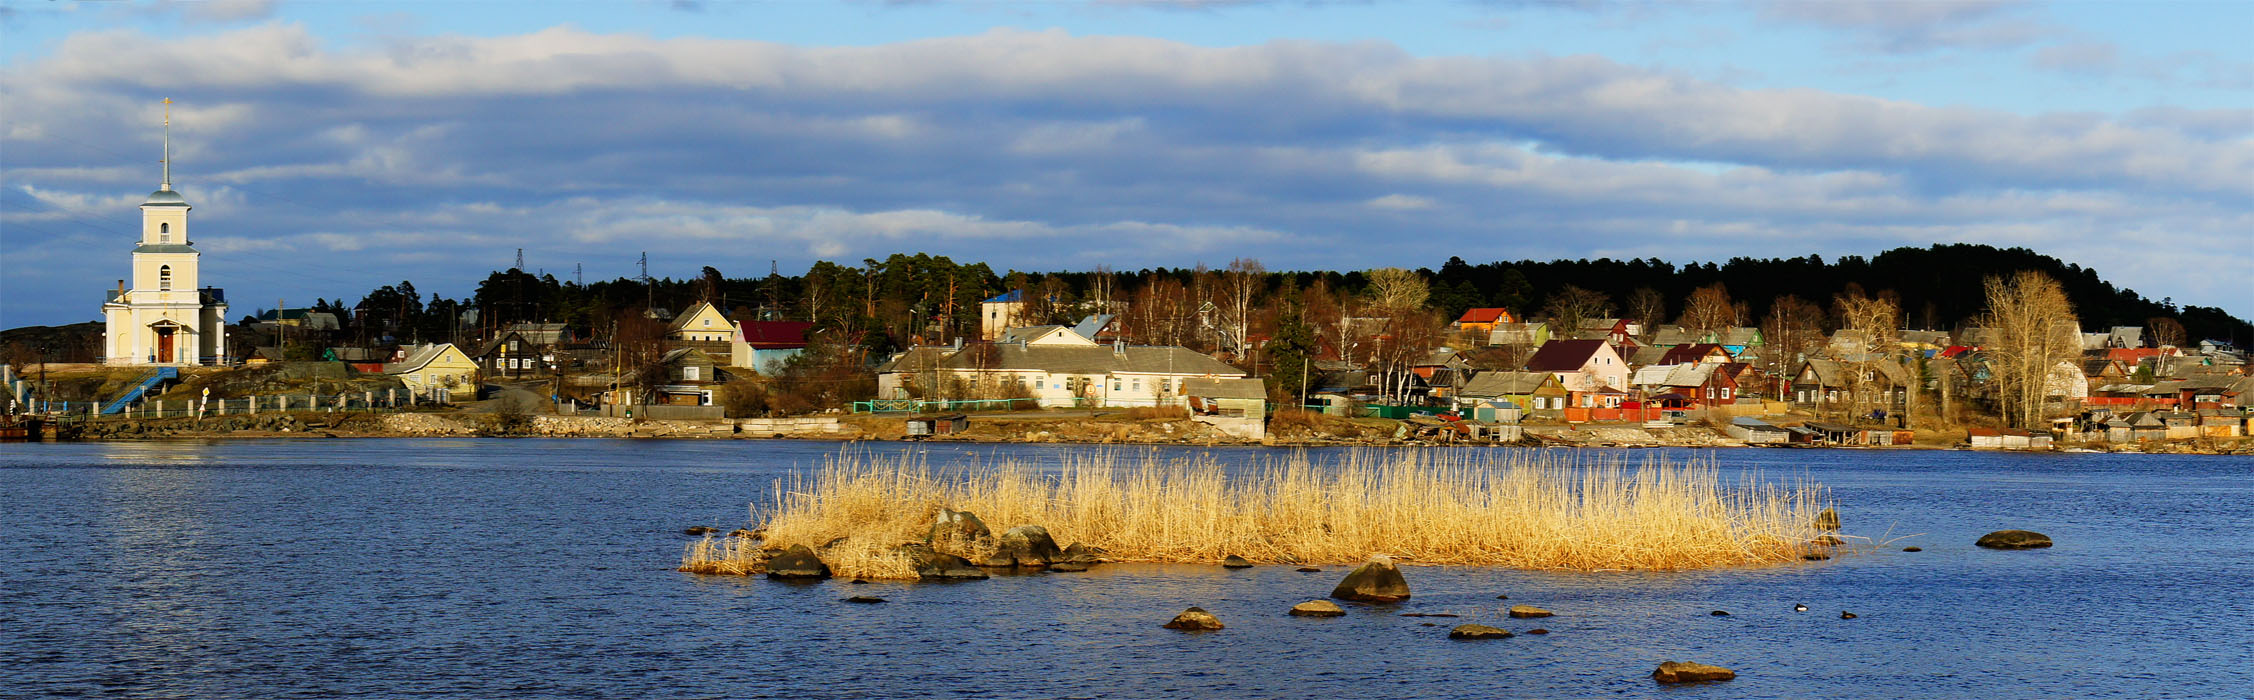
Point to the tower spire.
(167, 145)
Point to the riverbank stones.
(2014, 539)
(1317, 608)
(1025, 545)
(1235, 562)
(1687, 672)
(700, 530)
(798, 562)
(957, 525)
(934, 565)
(1477, 631)
(1194, 619)
(1528, 612)
(1375, 581)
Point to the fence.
(359, 401)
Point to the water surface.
(544, 569)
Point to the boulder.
(2014, 539)
(798, 562)
(1477, 632)
(1028, 545)
(1827, 520)
(934, 565)
(1913, 549)
(957, 525)
(1194, 619)
(1687, 672)
(1528, 611)
(700, 530)
(1081, 553)
(1376, 581)
(1317, 608)
(1235, 562)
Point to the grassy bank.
(1518, 508)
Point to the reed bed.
(1559, 510)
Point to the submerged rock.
(700, 530)
(2014, 539)
(1687, 672)
(1720, 613)
(1081, 553)
(1538, 630)
(1376, 581)
(1235, 562)
(1309, 569)
(1827, 520)
(1476, 631)
(864, 599)
(1317, 608)
(798, 562)
(1829, 541)
(1528, 611)
(1844, 615)
(1194, 619)
(1028, 545)
(1068, 566)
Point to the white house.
(1054, 365)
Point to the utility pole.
(520, 260)
(578, 275)
(282, 330)
(649, 297)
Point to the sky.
(332, 147)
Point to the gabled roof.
(1672, 335)
(682, 322)
(1234, 388)
(1094, 325)
(1647, 355)
(1493, 315)
(776, 335)
(418, 357)
(1741, 335)
(1507, 383)
(1564, 355)
(1693, 353)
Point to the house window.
(708, 323)
(689, 373)
(164, 233)
(164, 281)
(1116, 385)
(1138, 384)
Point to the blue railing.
(160, 376)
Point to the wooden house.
(435, 372)
(1583, 368)
(1483, 320)
(511, 356)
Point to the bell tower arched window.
(164, 232)
(164, 278)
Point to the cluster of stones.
(271, 423)
(1021, 547)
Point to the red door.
(164, 346)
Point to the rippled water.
(536, 569)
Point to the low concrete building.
(1238, 407)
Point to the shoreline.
(1055, 430)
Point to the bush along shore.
(899, 517)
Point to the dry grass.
(1155, 413)
(1525, 509)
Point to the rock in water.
(1028, 545)
(1477, 632)
(1194, 619)
(1844, 615)
(1720, 613)
(864, 599)
(1309, 569)
(1081, 553)
(1687, 672)
(2014, 539)
(1235, 562)
(957, 525)
(1829, 541)
(798, 562)
(1827, 520)
(1376, 581)
(1528, 611)
(1913, 549)
(933, 565)
(701, 530)
(1537, 630)
(1317, 608)
(1068, 566)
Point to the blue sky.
(334, 146)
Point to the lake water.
(544, 569)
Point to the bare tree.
(1708, 310)
(1646, 305)
(2164, 331)
(1570, 305)
(2034, 329)
(1239, 292)
(1396, 290)
(1793, 332)
(1876, 322)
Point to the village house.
(1053, 366)
(1822, 383)
(1530, 391)
(997, 315)
(763, 346)
(1519, 334)
(1482, 321)
(692, 377)
(511, 356)
(1585, 368)
(435, 372)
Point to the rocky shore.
(1017, 428)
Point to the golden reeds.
(1517, 508)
